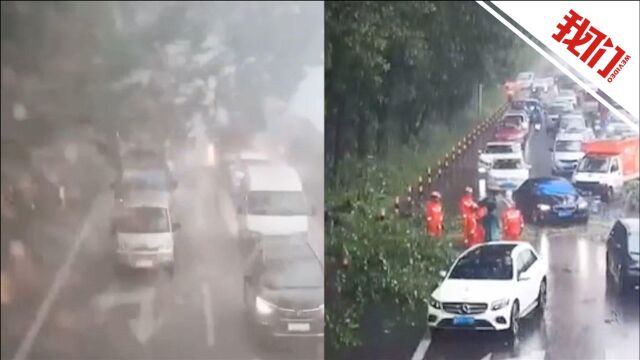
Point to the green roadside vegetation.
(400, 89)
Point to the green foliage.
(376, 262)
(394, 67)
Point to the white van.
(273, 205)
(144, 232)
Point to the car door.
(526, 279)
(616, 174)
(521, 284)
(535, 270)
(522, 197)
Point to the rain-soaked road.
(583, 321)
(91, 313)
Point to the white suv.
(490, 287)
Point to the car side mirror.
(176, 226)
(523, 277)
(442, 273)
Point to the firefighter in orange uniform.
(512, 221)
(434, 215)
(467, 211)
(479, 233)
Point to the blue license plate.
(509, 185)
(564, 213)
(463, 320)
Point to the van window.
(614, 166)
(280, 203)
(142, 220)
(594, 165)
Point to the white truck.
(607, 166)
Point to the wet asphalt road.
(197, 314)
(583, 321)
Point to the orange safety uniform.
(467, 208)
(512, 224)
(434, 217)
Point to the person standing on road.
(434, 215)
(512, 220)
(491, 223)
(467, 212)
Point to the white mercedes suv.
(490, 287)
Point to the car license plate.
(564, 213)
(144, 263)
(299, 327)
(463, 320)
(509, 185)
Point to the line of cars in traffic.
(491, 286)
(283, 281)
(585, 166)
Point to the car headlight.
(544, 207)
(263, 307)
(434, 303)
(582, 204)
(499, 304)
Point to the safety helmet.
(468, 189)
(436, 194)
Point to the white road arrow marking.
(145, 324)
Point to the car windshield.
(142, 220)
(512, 121)
(557, 109)
(277, 203)
(498, 149)
(507, 164)
(594, 165)
(568, 146)
(572, 123)
(484, 264)
(555, 187)
(282, 274)
(148, 181)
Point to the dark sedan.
(284, 291)
(551, 200)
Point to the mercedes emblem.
(465, 308)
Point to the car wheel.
(435, 333)
(609, 195)
(542, 296)
(607, 269)
(621, 283)
(514, 327)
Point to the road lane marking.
(421, 350)
(61, 276)
(208, 313)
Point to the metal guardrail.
(403, 204)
